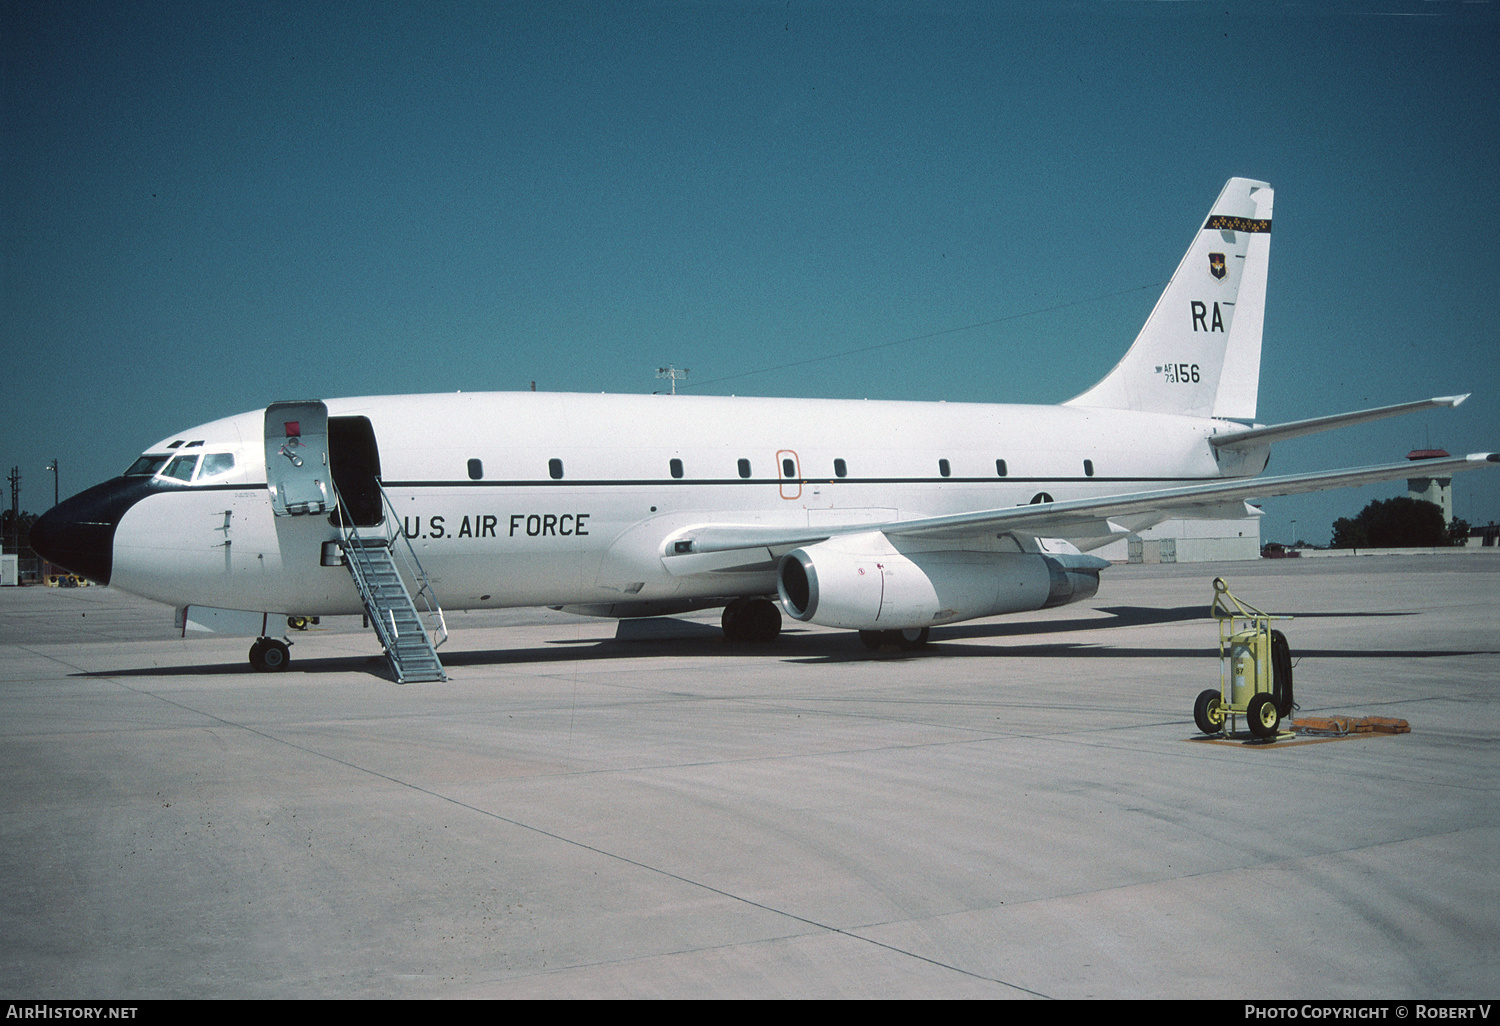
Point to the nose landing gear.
(270, 655)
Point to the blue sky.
(209, 207)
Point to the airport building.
(1197, 541)
(1188, 541)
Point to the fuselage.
(517, 499)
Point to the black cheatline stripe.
(768, 481)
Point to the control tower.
(1436, 490)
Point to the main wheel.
(736, 621)
(764, 620)
(257, 654)
(909, 638)
(1208, 712)
(1263, 715)
(755, 619)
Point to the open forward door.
(297, 472)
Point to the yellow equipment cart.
(1255, 671)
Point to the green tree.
(15, 532)
(1402, 522)
(1458, 531)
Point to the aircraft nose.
(78, 534)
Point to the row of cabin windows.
(788, 468)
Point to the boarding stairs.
(375, 558)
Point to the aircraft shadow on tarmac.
(663, 636)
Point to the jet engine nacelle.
(1073, 578)
(861, 582)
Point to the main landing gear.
(270, 655)
(751, 619)
(907, 640)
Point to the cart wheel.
(1263, 715)
(1208, 712)
(1281, 673)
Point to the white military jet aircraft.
(884, 517)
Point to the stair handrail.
(359, 566)
(358, 547)
(426, 596)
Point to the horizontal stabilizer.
(1255, 437)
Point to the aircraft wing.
(1075, 517)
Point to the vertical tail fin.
(1199, 353)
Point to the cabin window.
(554, 468)
(1000, 468)
(216, 463)
(1088, 468)
(744, 468)
(476, 470)
(840, 469)
(676, 467)
(943, 468)
(181, 468)
(788, 468)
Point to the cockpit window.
(215, 463)
(181, 468)
(147, 465)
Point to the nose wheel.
(270, 655)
